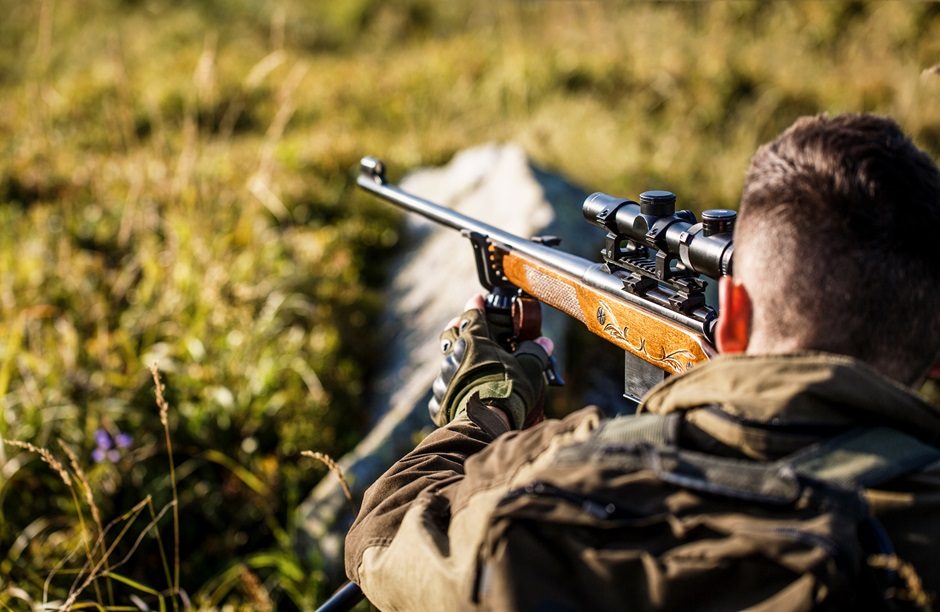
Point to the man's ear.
(733, 331)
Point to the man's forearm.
(437, 461)
(415, 543)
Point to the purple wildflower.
(108, 445)
(102, 439)
(123, 440)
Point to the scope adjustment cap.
(657, 203)
(718, 221)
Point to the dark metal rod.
(343, 599)
(568, 263)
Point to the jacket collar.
(794, 391)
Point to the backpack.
(628, 520)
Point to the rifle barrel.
(372, 179)
(375, 183)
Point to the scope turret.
(657, 203)
(718, 221)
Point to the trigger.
(526, 318)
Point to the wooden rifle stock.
(656, 340)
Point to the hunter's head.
(837, 247)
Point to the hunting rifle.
(647, 296)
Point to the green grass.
(176, 187)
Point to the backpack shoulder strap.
(654, 429)
(651, 441)
(865, 457)
(862, 457)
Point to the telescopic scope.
(704, 247)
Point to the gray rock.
(429, 283)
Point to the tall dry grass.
(98, 568)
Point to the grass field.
(176, 187)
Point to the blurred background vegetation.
(176, 187)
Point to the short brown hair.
(838, 243)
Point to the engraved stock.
(654, 339)
(677, 360)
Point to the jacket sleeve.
(414, 544)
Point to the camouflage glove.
(475, 364)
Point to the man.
(829, 319)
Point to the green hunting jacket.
(416, 542)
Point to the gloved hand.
(475, 364)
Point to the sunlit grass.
(176, 187)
